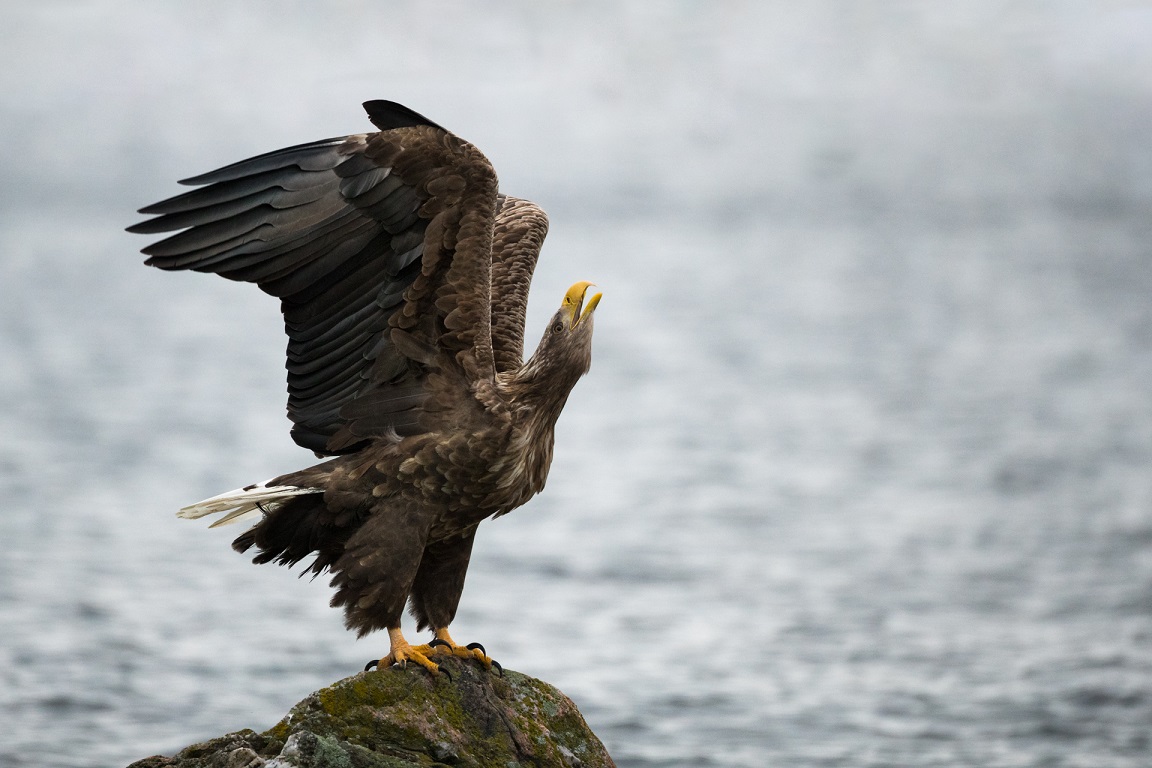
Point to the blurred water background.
(861, 473)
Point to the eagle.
(403, 276)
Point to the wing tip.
(387, 115)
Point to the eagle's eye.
(557, 327)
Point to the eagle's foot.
(444, 644)
(402, 652)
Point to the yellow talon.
(402, 652)
(445, 644)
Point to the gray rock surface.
(396, 718)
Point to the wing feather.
(320, 155)
(357, 236)
(519, 231)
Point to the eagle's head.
(568, 338)
(565, 351)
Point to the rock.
(395, 718)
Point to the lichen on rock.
(398, 718)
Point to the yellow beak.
(574, 299)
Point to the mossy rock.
(398, 718)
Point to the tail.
(246, 503)
(293, 521)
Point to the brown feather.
(518, 234)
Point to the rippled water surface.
(860, 476)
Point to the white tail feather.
(244, 503)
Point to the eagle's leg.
(401, 652)
(436, 594)
(374, 575)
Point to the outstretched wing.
(519, 233)
(379, 248)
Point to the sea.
(862, 471)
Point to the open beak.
(574, 303)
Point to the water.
(860, 474)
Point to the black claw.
(496, 664)
(438, 642)
(474, 646)
(446, 673)
(373, 663)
